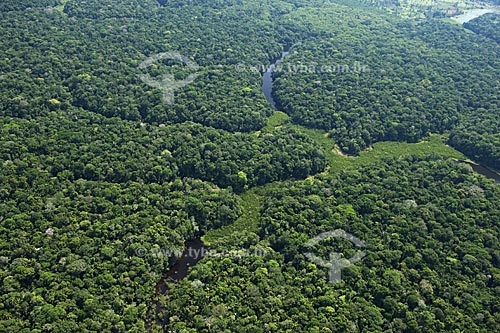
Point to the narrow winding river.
(267, 79)
(194, 248)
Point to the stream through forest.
(267, 79)
(194, 250)
(483, 170)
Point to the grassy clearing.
(431, 145)
(434, 144)
(278, 118)
(251, 202)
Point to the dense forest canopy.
(373, 80)
(431, 232)
(99, 174)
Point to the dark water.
(194, 251)
(267, 80)
(484, 171)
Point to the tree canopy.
(130, 128)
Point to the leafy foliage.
(80, 254)
(370, 80)
(6, 6)
(82, 145)
(89, 55)
(432, 250)
(102, 183)
(487, 25)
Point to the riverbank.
(267, 78)
(194, 251)
(485, 171)
(474, 13)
